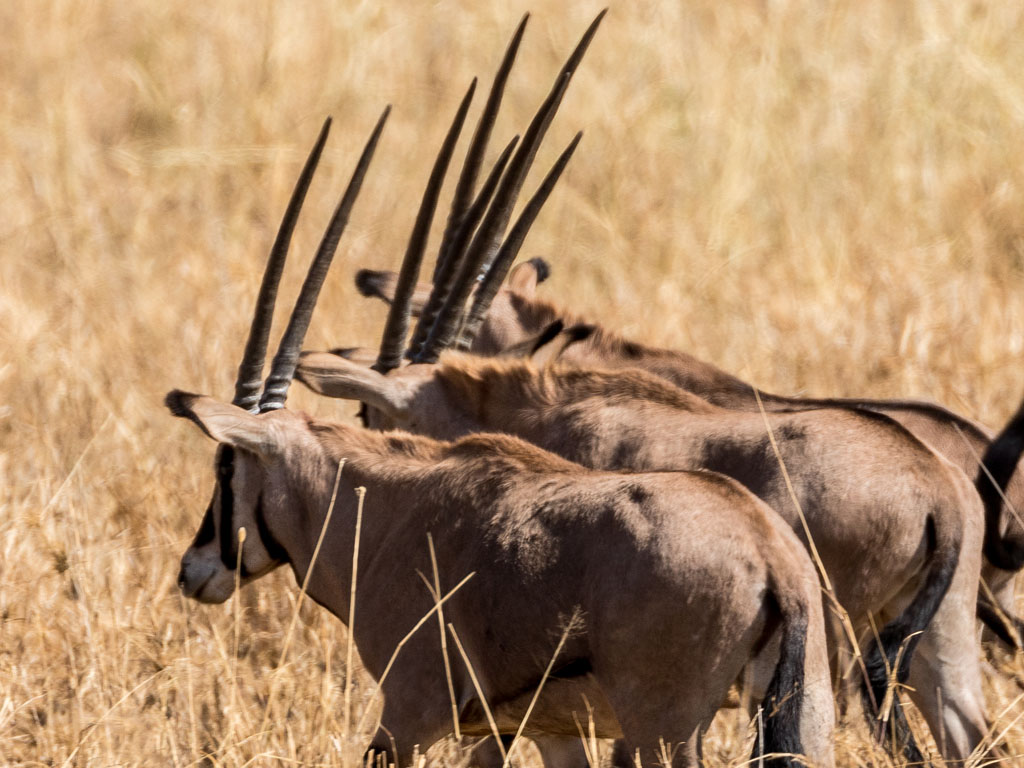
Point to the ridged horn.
(250, 371)
(540, 125)
(492, 281)
(449, 272)
(464, 189)
(485, 243)
(392, 343)
(283, 368)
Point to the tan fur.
(721, 583)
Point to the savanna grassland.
(824, 198)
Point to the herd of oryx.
(619, 534)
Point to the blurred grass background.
(823, 198)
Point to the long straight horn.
(464, 189)
(446, 278)
(482, 250)
(250, 372)
(510, 249)
(283, 368)
(534, 137)
(392, 343)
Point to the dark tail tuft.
(1001, 460)
(1005, 626)
(368, 283)
(903, 634)
(782, 702)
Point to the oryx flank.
(673, 582)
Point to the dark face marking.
(272, 545)
(207, 530)
(225, 471)
(361, 415)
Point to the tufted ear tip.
(368, 283)
(541, 267)
(555, 339)
(179, 403)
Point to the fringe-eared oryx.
(671, 583)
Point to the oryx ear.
(226, 423)
(523, 278)
(381, 284)
(359, 355)
(335, 376)
(553, 341)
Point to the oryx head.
(516, 313)
(254, 433)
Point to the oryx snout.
(203, 577)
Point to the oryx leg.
(999, 587)
(556, 752)
(563, 752)
(666, 735)
(945, 676)
(417, 712)
(486, 753)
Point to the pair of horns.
(471, 245)
(250, 391)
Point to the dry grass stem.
(444, 642)
(298, 603)
(495, 733)
(569, 628)
(350, 645)
(408, 636)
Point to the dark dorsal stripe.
(225, 471)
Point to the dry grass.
(821, 197)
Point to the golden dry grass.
(821, 197)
